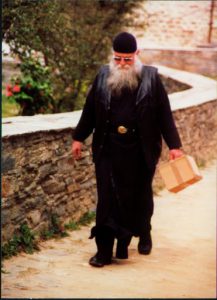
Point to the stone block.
(11, 214)
(45, 156)
(5, 187)
(69, 180)
(7, 202)
(65, 165)
(19, 219)
(28, 180)
(30, 204)
(70, 206)
(7, 233)
(86, 185)
(31, 167)
(34, 217)
(59, 151)
(31, 188)
(8, 163)
(73, 187)
(45, 170)
(79, 176)
(53, 186)
(60, 210)
(41, 227)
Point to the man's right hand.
(76, 149)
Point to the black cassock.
(125, 200)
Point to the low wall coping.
(203, 90)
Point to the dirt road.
(181, 265)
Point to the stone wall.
(200, 61)
(197, 128)
(40, 178)
(176, 23)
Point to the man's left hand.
(175, 153)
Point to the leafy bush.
(32, 90)
(73, 37)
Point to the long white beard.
(126, 77)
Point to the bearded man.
(128, 111)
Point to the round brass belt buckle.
(122, 129)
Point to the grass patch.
(72, 226)
(55, 230)
(86, 219)
(9, 107)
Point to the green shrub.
(54, 229)
(24, 240)
(32, 90)
(87, 218)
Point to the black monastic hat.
(124, 42)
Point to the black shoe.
(145, 245)
(98, 262)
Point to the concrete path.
(181, 265)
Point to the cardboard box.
(179, 173)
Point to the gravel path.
(181, 265)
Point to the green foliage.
(27, 239)
(72, 37)
(24, 240)
(47, 234)
(86, 219)
(54, 230)
(56, 227)
(11, 247)
(32, 90)
(72, 226)
(9, 107)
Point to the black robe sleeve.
(165, 117)
(86, 123)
